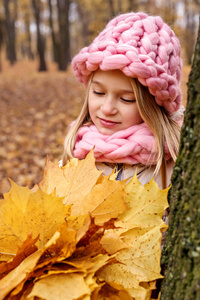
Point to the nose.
(109, 106)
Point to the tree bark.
(170, 10)
(83, 17)
(64, 43)
(119, 6)
(55, 42)
(189, 32)
(112, 10)
(133, 5)
(2, 34)
(181, 254)
(28, 49)
(10, 20)
(40, 39)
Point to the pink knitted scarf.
(133, 145)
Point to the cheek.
(91, 107)
(90, 110)
(90, 102)
(133, 117)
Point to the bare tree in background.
(64, 41)
(26, 17)
(133, 5)
(83, 17)
(191, 9)
(115, 7)
(119, 4)
(10, 7)
(112, 10)
(2, 25)
(54, 36)
(170, 11)
(40, 38)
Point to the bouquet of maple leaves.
(81, 235)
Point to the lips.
(108, 123)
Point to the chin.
(107, 131)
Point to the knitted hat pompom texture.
(142, 47)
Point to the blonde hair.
(162, 126)
(83, 118)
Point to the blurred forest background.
(39, 96)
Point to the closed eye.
(98, 93)
(129, 101)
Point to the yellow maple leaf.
(112, 242)
(89, 263)
(137, 238)
(17, 275)
(84, 178)
(142, 260)
(59, 246)
(73, 181)
(109, 246)
(80, 224)
(53, 177)
(146, 204)
(27, 248)
(83, 186)
(60, 286)
(51, 258)
(112, 291)
(22, 212)
(105, 201)
(143, 292)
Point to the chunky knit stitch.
(142, 47)
(133, 145)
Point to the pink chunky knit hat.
(141, 46)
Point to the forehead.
(112, 78)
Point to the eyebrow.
(124, 91)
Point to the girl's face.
(112, 104)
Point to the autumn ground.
(35, 110)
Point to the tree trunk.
(40, 38)
(181, 254)
(170, 11)
(112, 10)
(55, 42)
(2, 34)
(189, 32)
(84, 25)
(119, 6)
(133, 5)
(28, 49)
(11, 16)
(63, 16)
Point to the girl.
(132, 111)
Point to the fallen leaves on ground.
(100, 241)
(36, 109)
